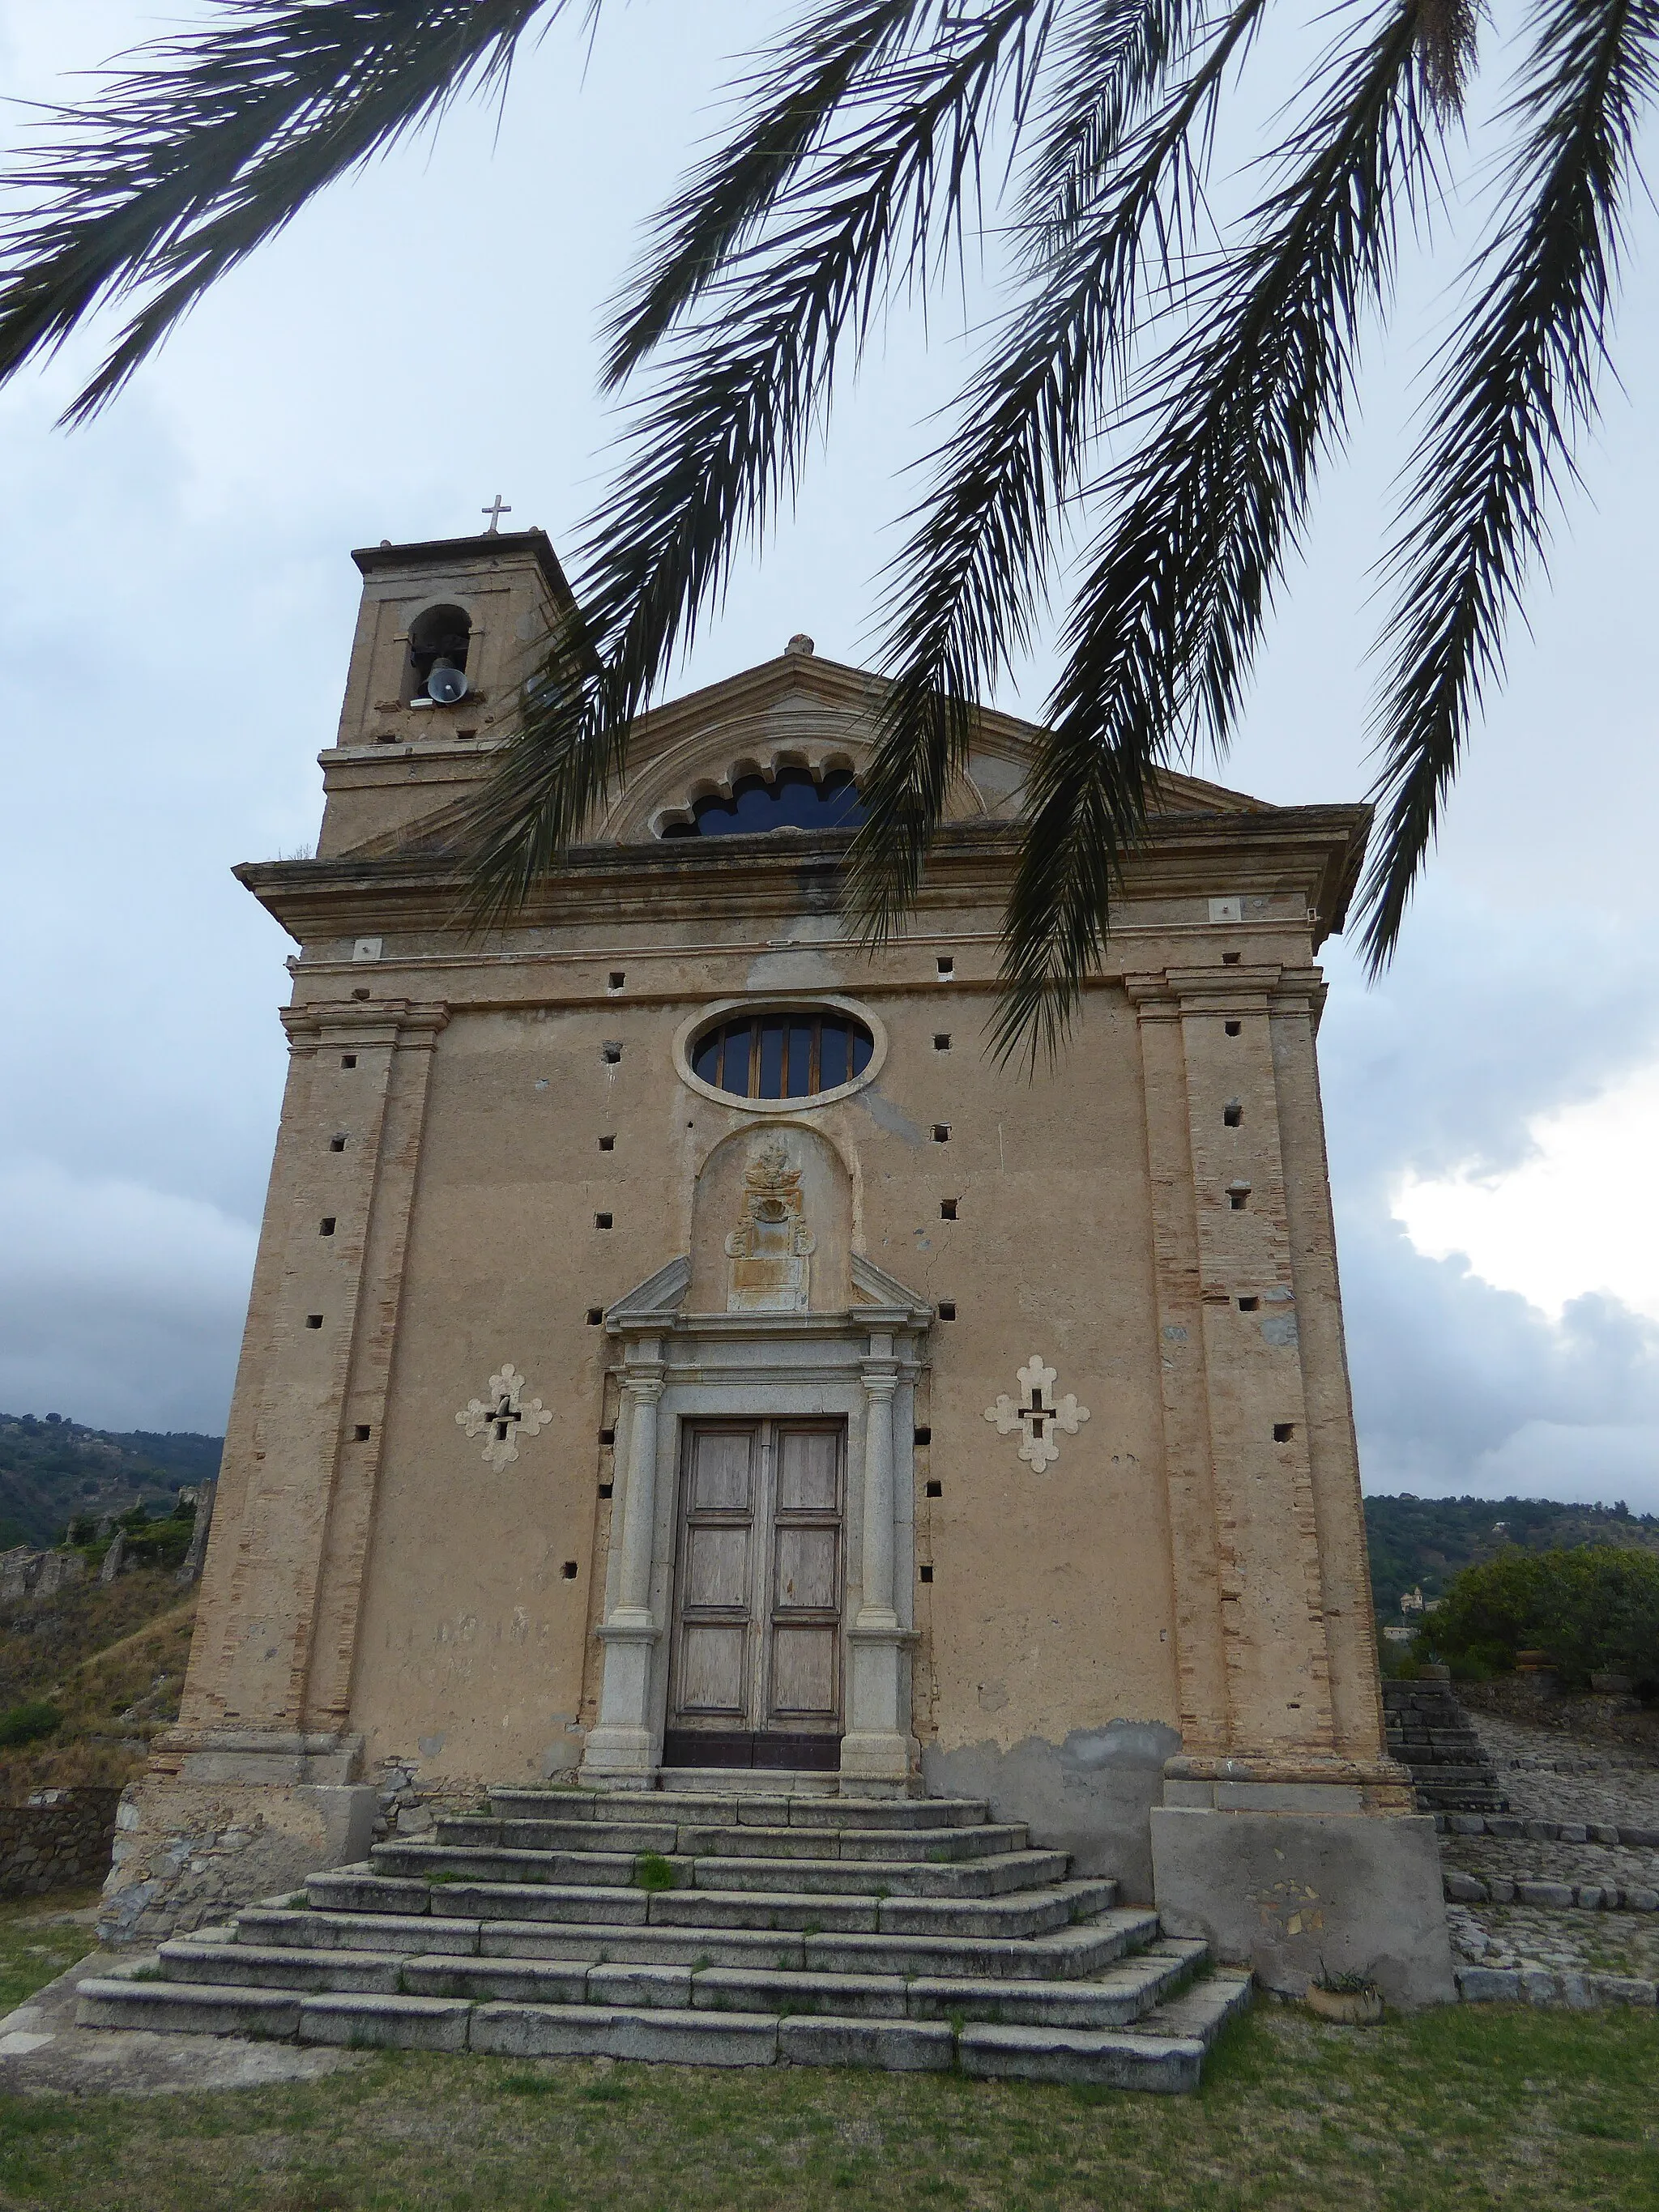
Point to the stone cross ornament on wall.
(505, 1416)
(1040, 1417)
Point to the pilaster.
(622, 1742)
(314, 1370)
(1237, 1409)
(877, 1748)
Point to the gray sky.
(176, 603)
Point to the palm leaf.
(967, 585)
(211, 142)
(1518, 384)
(1234, 418)
(716, 444)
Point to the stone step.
(1118, 1996)
(1085, 1948)
(718, 1807)
(1027, 1912)
(686, 2035)
(728, 1839)
(1104, 2057)
(279, 1966)
(992, 1875)
(1198, 2013)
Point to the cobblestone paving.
(1570, 1780)
(1575, 1939)
(1548, 1778)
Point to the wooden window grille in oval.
(782, 1054)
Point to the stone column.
(623, 1740)
(877, 1751)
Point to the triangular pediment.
(801, 710)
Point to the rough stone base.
(1289, 1893)
(186, 1852)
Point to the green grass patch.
(1451, 2111)
(27, 1724)
(37, 1943)
(652, 1871)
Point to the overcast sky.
(176, 605)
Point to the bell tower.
(447, 631)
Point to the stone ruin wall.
(60, 1839)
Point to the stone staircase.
(1429, 1732)
(728, 1927)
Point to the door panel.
(809, 1470)
(712, 1670)
(804, 1672)
(808, 1572)
(722, 1470)
(755, 1665)
(716, 1570)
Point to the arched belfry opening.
(442, 635)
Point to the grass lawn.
(39, 1939)
(1455, 2108)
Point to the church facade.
(677, 1351)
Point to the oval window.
(778, 1055)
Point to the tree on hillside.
(1170, 396)
(1593, 1607)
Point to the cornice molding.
(1314, 851)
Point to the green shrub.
(27, 1724)
(1592, 1608)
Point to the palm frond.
(718, 212)
(718, 440)
(967, 584)
(209, 143)
(1234, 418)
(1112, 59)
(1448, 35)
(1518, 380)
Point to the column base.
(622, 1744)
(615, 1754)
(877, 1762)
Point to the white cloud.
(1582, 1214)
(120, 1306)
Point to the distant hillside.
(1422, 1542)
(52, 1469)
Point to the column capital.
(1170, 993)
(397, 1022)
(880, 1378)
(644, 1385)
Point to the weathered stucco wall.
(487, 1142)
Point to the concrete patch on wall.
(1091, 1796)
(886, 1116)
(1290, 1894)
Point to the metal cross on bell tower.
(497, 508)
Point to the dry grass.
(137, 1631)
(1453, 2110)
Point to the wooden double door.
(756, 1668)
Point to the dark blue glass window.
(792, 1055)
(794, 799)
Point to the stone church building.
(679, 1357)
